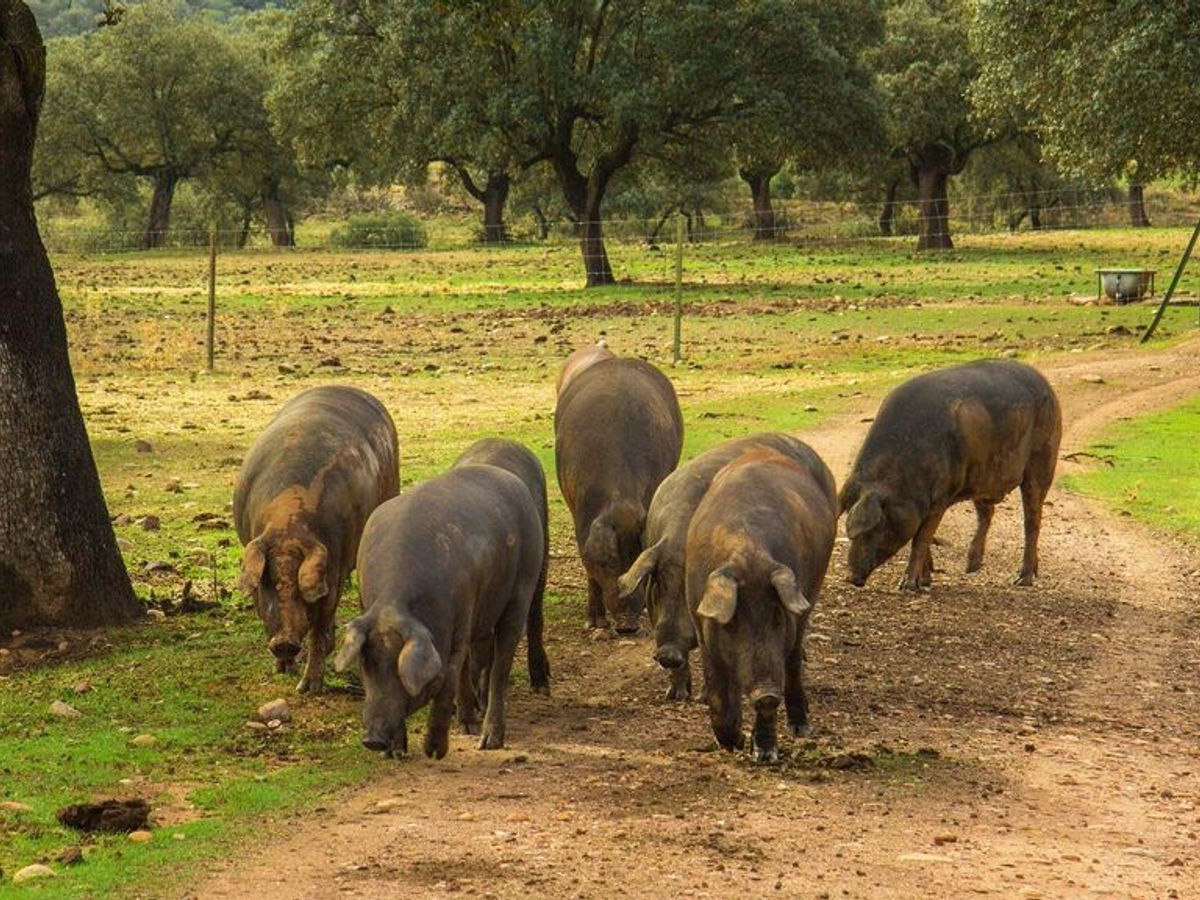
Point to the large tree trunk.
(495, 196)
(165, 183)
(934, 223)
(584, 200)
(764, 213)
(887, 215)
(275, 212)
(59, 562)
(1137, 207)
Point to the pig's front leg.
(920, 557)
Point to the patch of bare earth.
(978, 739)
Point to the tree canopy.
(1109, 87)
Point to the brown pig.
(970, 432)
(757, 549)
(580, 360)
(661, 563)
(618, 433)
(303, 495)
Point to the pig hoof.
(680, 694)
(311, 685)
(472, 728)
(909, 584)
(436, 748)
(1025, 579)
(800, 729)
(767, 757)
(974, 565)
(493, 740)
(543, 689)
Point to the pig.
(969, 432)
(756, 553)
(580, 360)
(618, 433)
(302, 498)
(448, 568)
(661, 564)
(520, 460)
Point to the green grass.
(1149, 469)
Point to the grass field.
(459, 344)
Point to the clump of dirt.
(116, 816)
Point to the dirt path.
(980, 739)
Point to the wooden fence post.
(210, 336)
(676, 349)
(1162, 307)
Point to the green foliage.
(381, 231)
(1110, 87)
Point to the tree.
(160, 96)
(59, 562)
(815, 101)
(1110, 87)
(925, 69)
(588, 86)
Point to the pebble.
(83, 687)
(517, 817)
(156, 614)
(59, 708)
(14, 806)
(254, 725)
(466, 817)
(150, 523)
(71, 856)
(140, 837)
(30, 873)
(143, 447)
(1092, 379)
(275, 709)
(174, 486)
(144, 740)
(923, 857)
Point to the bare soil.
(978, 739)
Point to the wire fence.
(825, 222)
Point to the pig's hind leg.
(507, 636)
(983, 516)
(1033, 495)
(794, 697)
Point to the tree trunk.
(584, 200)
(701, 225)
(495, 196)
(542, 222)
(1137, 207)
(887, 216)
(165, 183)
(59, 562)
(279, 223)
(764, 213)
(243, 237)
(934, 230)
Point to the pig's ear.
(847, 497)
(601, 544)
(313, 583)
(642, 567)
(419, 662)
(254, 562)
(864, 515)
(793, 599)
(720, 597)
(352, 644)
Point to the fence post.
(1162, 307)
(210, 336)
(676, 351)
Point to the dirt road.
(979, 739)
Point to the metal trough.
(1124, 285)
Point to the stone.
(1092, 379)
(143, 447)
(150, 523)
(174, 485)
(83, 687)
(14, 806)
(70, 856)
(252, 725)
(156, 614)
(144, 740)
(66, 710)
(466, 817)
(140, 837)
(32, 873)
(275, 709)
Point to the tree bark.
(59, 562)
(543, 223)
(275, 212)
(934, 204)
(495, 197)
(764, 212)
(887, 215)
(584, 196)
(1137, 207)
(165, 182)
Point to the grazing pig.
(757, 549)
(519, 460)
(448, 569)
(969, 432)
(303, 495)
(661, 563)
(618, 433)
(580, 360)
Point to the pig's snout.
(284, 649)
(857, 580)
(669, 657)
(627, 627)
